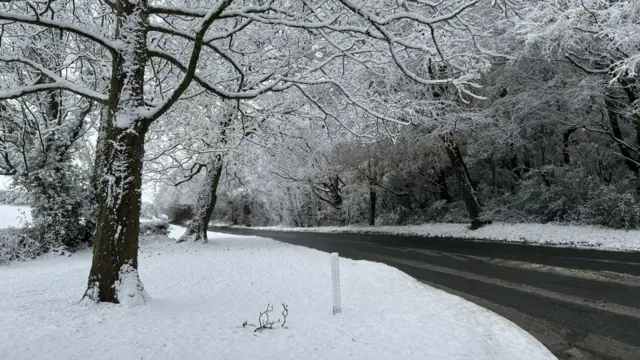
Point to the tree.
(553, 113)
(207, 196)
(150, 70)
(38, 134)
(594, 37)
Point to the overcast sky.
(147, 192)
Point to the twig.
(285, 313)
(265, 322)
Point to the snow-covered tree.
(38, 135)
(151, 53)
(596, 37)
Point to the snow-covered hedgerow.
(17, 244)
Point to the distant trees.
(558, 108)
(594, 37)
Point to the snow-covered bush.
(569, 196)
(149, 211)
(327, 215)
(56, 208)
(611, 209)
(16, 244)
(388, 219)
(179, 213)
(156, 227)
(14, 197)
(455, 213)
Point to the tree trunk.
(97, 193)
(246, 214)
(373, 198)
(468, 192)
(566, 135)
(207, 197)
(114, 270)
(616, 134)
(443, 189)
(114, 276)
(514, 163)
(197, 230)
(494, 181)
(618, 138)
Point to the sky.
(147, 192)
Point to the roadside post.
(335, 281)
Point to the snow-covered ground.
(203, 293)
(538, 234)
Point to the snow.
(124, 121)
(579, 236)
(13, 216)
(129, 288)
(5, 182)
(201, 294)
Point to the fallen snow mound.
(202, 293)
(579, 236)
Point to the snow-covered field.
(537, 234)
(203, 293)
(13, 216)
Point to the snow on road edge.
(586, 237)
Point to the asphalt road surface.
(581, 304)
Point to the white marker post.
(335, 281)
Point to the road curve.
(581, 304)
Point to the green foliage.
(56, 207)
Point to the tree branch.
(213, 14)
(247, 94)
(53, 24)
(58, 83)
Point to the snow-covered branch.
(404, 15)
(59, 25)
(190, 69)
(213, 88)
(58, 83)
